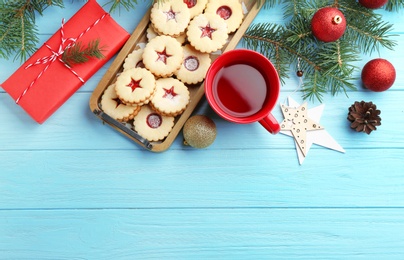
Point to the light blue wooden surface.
(74, 188)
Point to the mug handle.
(270, 124)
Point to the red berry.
(328, 24)
(373, 4)
(378, 75)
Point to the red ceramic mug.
(242, 86)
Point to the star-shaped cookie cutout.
(169, 93)
(163, 56)
(207, 31)
(171, 15)
(134, 84)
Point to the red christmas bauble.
(328, 24)
(378, 75)
(373, 4)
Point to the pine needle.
(18, 32)
(78, 54)
(327, 66)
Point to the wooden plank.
(183, 179)
(73, 126)
(203, 234)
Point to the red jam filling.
(140, 64)
(154, 120)
(162, 56)
(207, 31)
(191, 63)
(134, 84)
(190, 3)
(224, 12)
(118, 102)
(169, 93)
(171, 15)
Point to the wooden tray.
(196, 92)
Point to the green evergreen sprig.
(126, 4)
(328, 67)
(394, 5)
(78, 54)
(18, 32)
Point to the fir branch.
(365, 28)
(267, 38)
(314, 86)
(117, 4)
(268, 3)
(371, 35)
(327, 66)
(18, 32)
(394, 5)
(78, 54)
(41, 5)
(128, 4)
(301, 8)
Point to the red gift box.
(43, 83)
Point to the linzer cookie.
(170, 17)
(135, 86)
(134, 60)
(196, 7)
(207, 32)
(171, 97)
(151, 125)
(163, 55)
(114, 107)
(182, 38)
(151, 33)
(194, 65)
(230, 11)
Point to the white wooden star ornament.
(303, 125)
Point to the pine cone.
(364, 116)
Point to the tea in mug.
(240, 90)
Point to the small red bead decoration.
(328, 24)
(373, 4)
(378, 75)
(299, 73)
